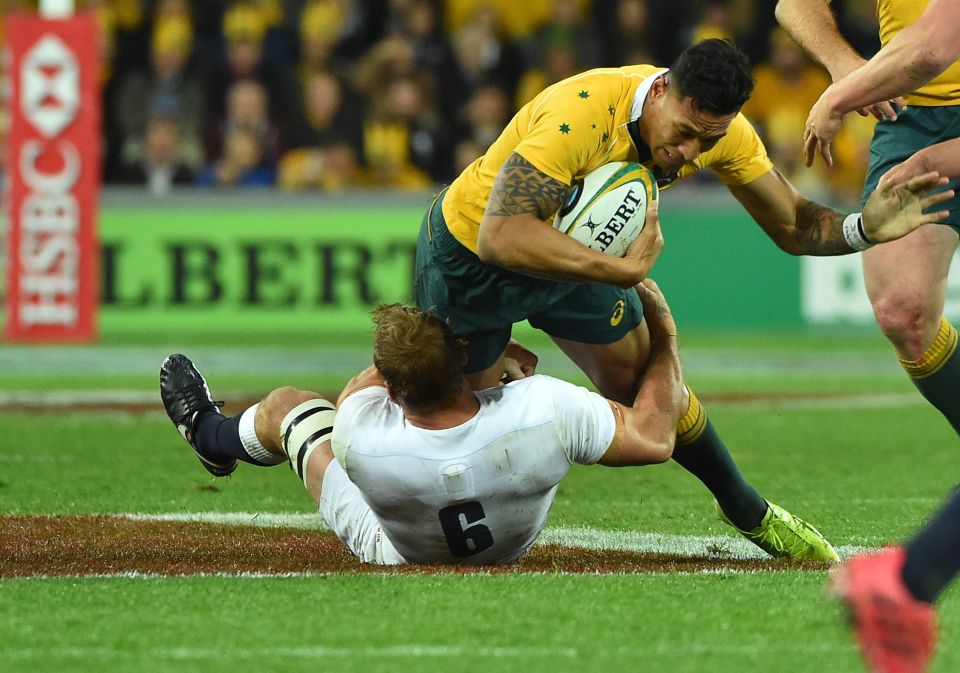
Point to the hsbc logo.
(53, 153)
(50, 86)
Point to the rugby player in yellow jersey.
(486, 259)
(891, 595)
(906, 280)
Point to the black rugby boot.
(186, 396)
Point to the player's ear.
(659, 86)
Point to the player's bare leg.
(906, 281)
(616, 368)
(269, 420)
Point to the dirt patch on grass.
(95, 545)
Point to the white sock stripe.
(251, 443)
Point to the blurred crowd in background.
(330, 94)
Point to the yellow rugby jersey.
(579, 124)
(944, 89)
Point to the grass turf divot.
(107, 545)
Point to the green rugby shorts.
(482, 302)
(895, 141)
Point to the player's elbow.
(487, 249)
(662, 451)
(659, 451)
(782, 11)
(490, 244)
(930, 60)
(649, 449)
(494, 247)
(789, 241)
(793, 248)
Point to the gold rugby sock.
(701, 452)
(936, 374)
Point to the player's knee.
(278, 404)
(905, 320)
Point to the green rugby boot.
(783, 535)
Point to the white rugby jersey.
(478, 492)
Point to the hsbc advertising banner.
(54, 179)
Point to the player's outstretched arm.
(513, 233)
(647, 431)
(800, 226)
(916, 54)
(812, 25)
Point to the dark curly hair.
(715, 74)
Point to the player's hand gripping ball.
(607, 208)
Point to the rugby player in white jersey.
(419, 467)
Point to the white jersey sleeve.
(352, 408)
(585, 421)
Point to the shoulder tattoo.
(520, 188)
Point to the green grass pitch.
(845, 443)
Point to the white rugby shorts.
(350, 517)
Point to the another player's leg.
(699, 449)
(906, 281)
(218, 441)
(896, 632)
(776, 531)
(298, 425)
(890, 595)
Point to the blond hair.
(418, 356)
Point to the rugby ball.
(607, 208)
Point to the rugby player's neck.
(461, 411)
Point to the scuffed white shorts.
(350, 517)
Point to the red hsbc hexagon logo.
(50, 86)
(50, 201)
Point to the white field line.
(70, 398)
(712, 546)
(66, 398)
(407, 651)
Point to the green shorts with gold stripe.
(895, 141)
(482, 302)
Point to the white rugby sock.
(251, 443)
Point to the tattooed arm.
(513, 233)
(803, 227)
